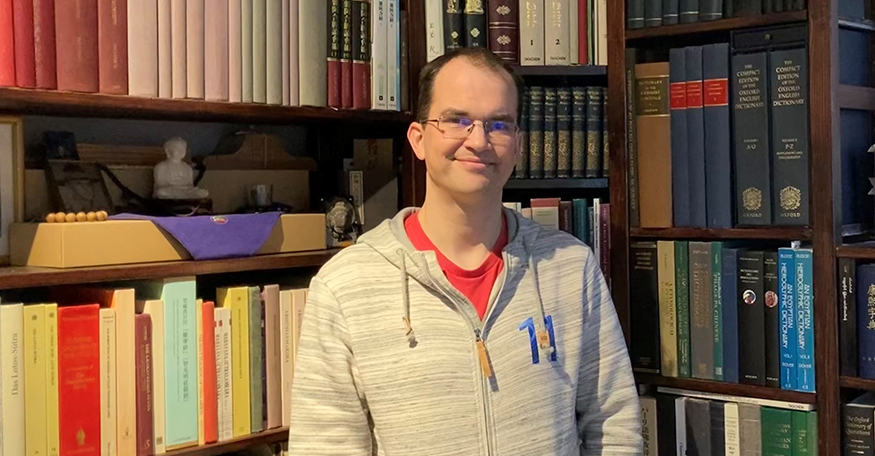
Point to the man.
(462, 328)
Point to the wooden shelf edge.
(73, 104)
(770, 233)
(856, 97)
(857, 383)
(266, 437)
(560, 70)
(730, 389)
(717, 25)
(534, 184)
(865, 251)
(25, 276)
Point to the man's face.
(478, 165)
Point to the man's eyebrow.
(453, 112)
(502, 116)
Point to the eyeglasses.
(460, 127)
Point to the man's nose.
(477, 139)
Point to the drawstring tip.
(544, 340)
(411, 336)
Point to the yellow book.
(53, 420)
(155, 309)
(668, 342)
(200, 373)
(237, 299)
(109, 382)
(35, 375)
(12, 381)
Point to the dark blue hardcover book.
(787, 307)
(696, 137)
(680, 175)
(730, 315)
(710, 10)
(652, 13)
(689, 11)
(634, 14)
(772, 319)
(866, 320)
(670, 12)
(718, 157)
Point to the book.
(237, 300)
(644, 302)
(79, 379)
(145, 412)
(654, 130)
(668, 336)
(34, 345)
(108, 382)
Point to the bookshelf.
(825, 96)
(238, 444)
(561, 70)
(570, 183)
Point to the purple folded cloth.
(208, 237)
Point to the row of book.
(725, 311)
(654, 13)
(247, 51)
(678, 422)
(565, 133)
(585, 219)
(857, 318)
(701, 157)
(146, 370)
(523, 32)
(858, 426)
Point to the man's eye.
(502, 126)
(458, 121)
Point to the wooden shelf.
(857, 383)
(54, 103)
(862, 251)
(771, 233)
(856, 97)
(25, 277)
(717, 25)
(270, 436)
(561, 70)
(732, 389)
(535, 184)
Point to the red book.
(44, 44)
(22, 17)
(335, 44)
(7, 45)
(361, 54)
(76, 43)
(346, 54)
(211, 404)
(79, 379)
(143, 329)
(582, 32)
(112, 45)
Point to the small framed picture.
(77, 186)
(11, 179)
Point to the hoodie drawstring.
(544, 337)
(405, 298)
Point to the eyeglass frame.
(485, 124)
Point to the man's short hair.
(479, 56)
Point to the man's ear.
(415, 135)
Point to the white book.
(259, 51)
(235, 52)
(680, 416)
(143, 48)
(573, 32)
(155, 309)
(222, 334)
(294, 51)
(274, 50)
(299, 301)
(740, 399)
(165, 49)
(123, 302)
(216, 87)
(313, 52)
(731, 431)
(379, 54)
(394, 56)
(12, 378)
(527, 212)
(557, 33)
(178, 49)
(246, 48)
(596, 231)
(602, 37)
(108, 385)
(194, 47)
(649, 425)
(286, 54)
(286, 354)
(532, 19)
(434, 24)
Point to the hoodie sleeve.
(608, 411)
(329, 415)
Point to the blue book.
(579, 209)
(696, 137)
(804, 321)
(718, 160)
(787, 310)
(729, 290)
(680, 174)
(717, 306)
(180, 360)
(865, 327)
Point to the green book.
(256, 368)
(682, 301)
(717, 303)
(812, 434)
(777, 432)
(180, 360)
(799, 421)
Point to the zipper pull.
(484, 356)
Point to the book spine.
(521, 169)
(474, 19)
(216, 85)
(799, 427)
(805, 321)
(605, 133)
(654, 129)
(680, 174)
(711, 9)
(668, 354)
(682, 301)
(751, 139)
(632, 136)
(718, 429)
(550, 100)
(346, 51)
(259, 51)
(274, 52)
(108, 381)
(23, 21)
(394, 57)
(454, 25)
(52, 412)
(644, 284)
(777, 431)
(701, 311)
(194, 47)
(295, 54)
(273, 358)
(255, 343)
(670, 12)
(536, 133)
(563, 132)
(652, 13)
(434, 38)
(504, 34)
(665, 419)
(649, 431)
(634, 14)
(78, 379)
(361, 54)
(718, 159)
(208, 372)
(787, 297)
(7, 44)
(696, 136)
(717, 306)
(789, 114)
(698, 425)
(285, 50)
(34, 317)
(578, 132)
(583, 56)
(178, 55)
(580, 226)
(732, 431)
(531, 32)
(593, 131)
(313, 53)
(246, 50)
(44, 44)
(728, 8)
(224, 374)
(144, 385)
(681, 425)
(730, 315)
(379, 49)
(155, 309)
(772, 319)
(751, 318)
(180, 362)
(335, 33)
(76, 46)
(124, 303)
(165, 47)
(557, 48)
(848, 317)
(689, 11)
(857, 427)
(750, 417)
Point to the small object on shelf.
(62, 217)
(81, 217)
(91, 216)
(70, 217)
(101, 216)
(174, 178)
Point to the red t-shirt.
(475, 284)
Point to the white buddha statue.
(174, 178)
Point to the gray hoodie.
(393, 360)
